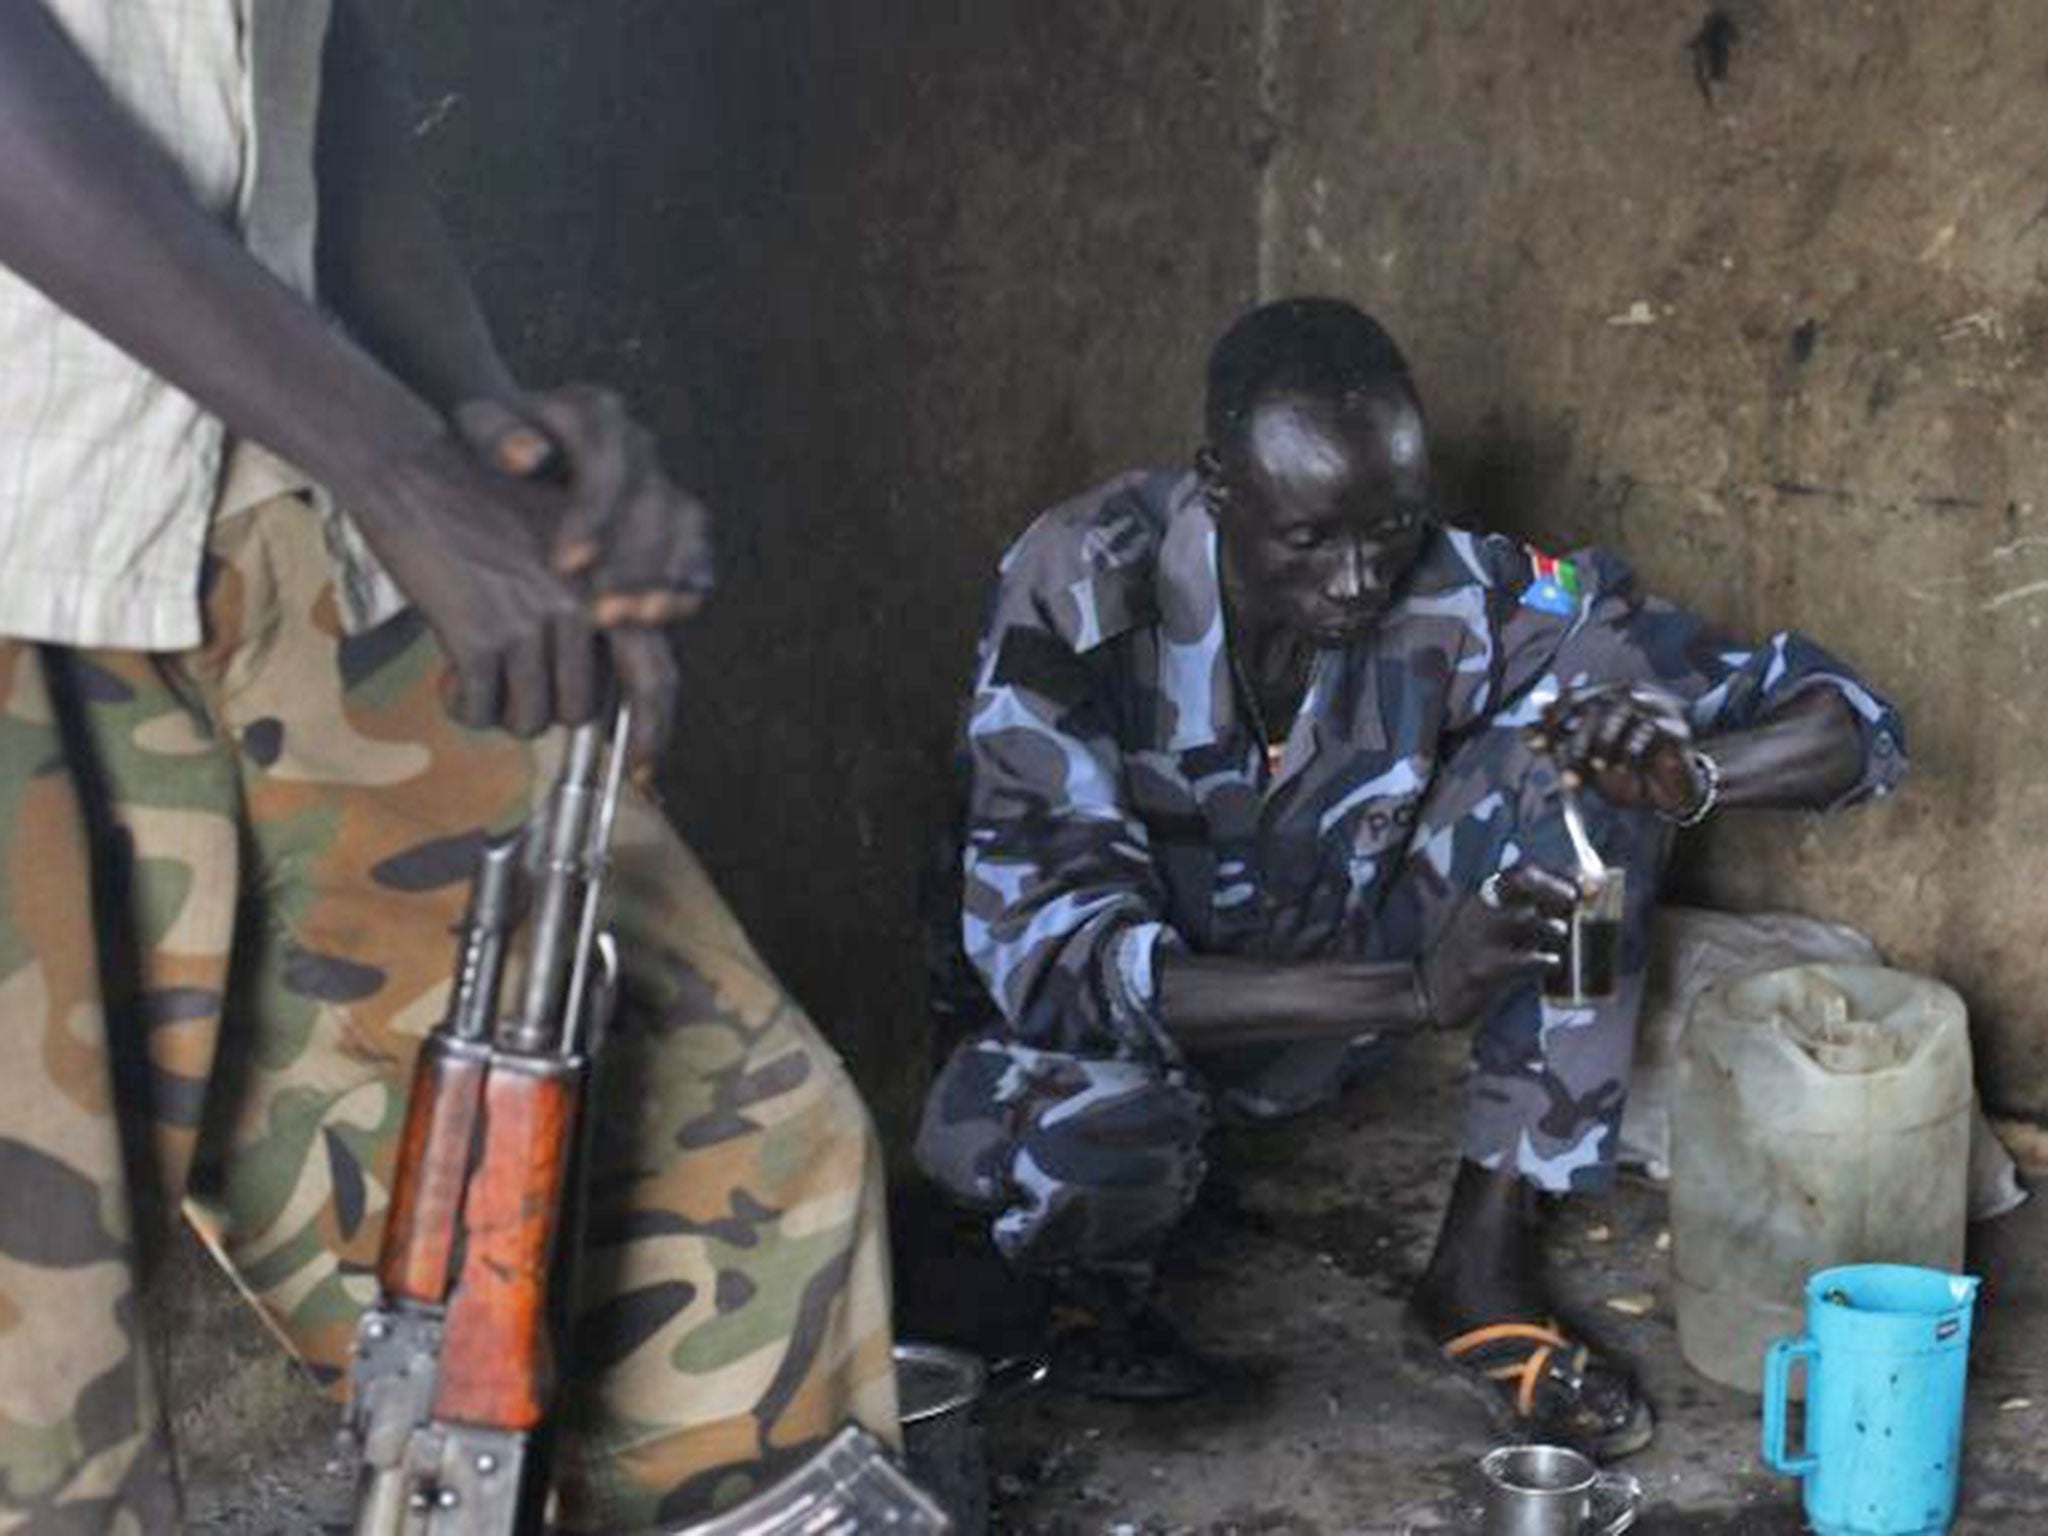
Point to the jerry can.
(1822, 1118)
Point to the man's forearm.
(1808, 754)
(387, 265)
(95, 216)
(1209, 1002)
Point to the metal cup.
(1548, 1490)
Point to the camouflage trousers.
(274, 833)
(1089, 1162)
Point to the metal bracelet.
(1707, 774)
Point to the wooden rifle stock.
(495, 1365)
(417, 1261)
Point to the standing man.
(1255, 790)
(241, 550)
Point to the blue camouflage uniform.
(1120, 807)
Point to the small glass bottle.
(1592, 949)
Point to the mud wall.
(887, 277)
(1753, 293)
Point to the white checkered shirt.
(109, 476)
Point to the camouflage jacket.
(1119, 803)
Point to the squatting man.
(1263, 770)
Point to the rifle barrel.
(538, 1027)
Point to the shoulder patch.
(1554, 585)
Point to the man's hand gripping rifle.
(453, 1374)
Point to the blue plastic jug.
(1887, 1350)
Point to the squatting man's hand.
(1508, 933)
(1630, 742)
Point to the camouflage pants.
(1090, 1163)
(277, 829)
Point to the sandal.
(1539, 1383)
(1124, 1353)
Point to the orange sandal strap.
(1529, 1373)
(1503, 1333)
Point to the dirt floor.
(1292, 1272)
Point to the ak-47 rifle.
(454, 1369)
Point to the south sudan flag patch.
(1555, 588)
